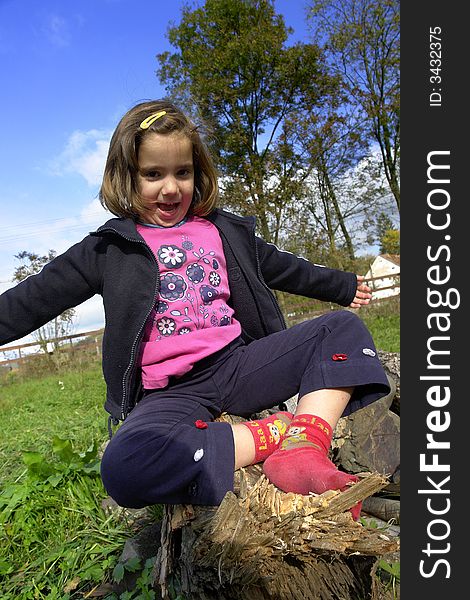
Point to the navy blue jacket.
(115, 262)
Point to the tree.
(383, 223)
(345, 206)
(62, 325)
(361, 38)
(390, 242)
(233, 67)
(334, 147)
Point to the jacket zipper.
(130, 366)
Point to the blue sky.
(70, 69)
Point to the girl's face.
(166, 178)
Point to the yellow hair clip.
(151, 119)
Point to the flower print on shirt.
(202, 255)
(172, 286)
(182, 284)
(193, 298)
(214, 278)
(161, 307)
(171, 256)
(166, 326)
(187, 243)
(208, 294)
(195, 273)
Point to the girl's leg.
(329, 352)
(332, 364)
(244, 446)
(168, 451)
(255, 440)
(301, 462)
(329, 404)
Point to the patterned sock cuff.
(267, 433)
(310, 428)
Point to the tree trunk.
(339, 216)
(263, 544)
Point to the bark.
(261, 543)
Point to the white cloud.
(94, 213)
(85, 154)
(89, 315)
(57, 31)
(40, 236)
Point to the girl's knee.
(119, 477)
(131, 460)
(142, 466)
(348, 330)
(340, 318)
(346, 316)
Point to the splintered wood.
(261, 543)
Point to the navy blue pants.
(158, 455)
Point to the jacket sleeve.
(66, 281)
(287, 272)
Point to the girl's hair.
(119, 192)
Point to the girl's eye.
(151, 174)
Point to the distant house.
(386, 267)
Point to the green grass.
(54, 534)
(383, 321)
(385, 331)
(69, 405)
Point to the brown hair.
(118, 192)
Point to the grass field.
(55, 537)
(384, 324)
(69, 405)
(55, 540)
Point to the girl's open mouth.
(167, 207)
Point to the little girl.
(193, 329)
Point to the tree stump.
(391, 363)
(261, 544)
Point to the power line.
(45, 222)
(55, 220)
(66, 226)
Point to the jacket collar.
(126, 226)
(120, 225)
(219, 217)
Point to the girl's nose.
(169, 186)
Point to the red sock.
(267, 433)
(301, 465)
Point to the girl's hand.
(363, 294)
